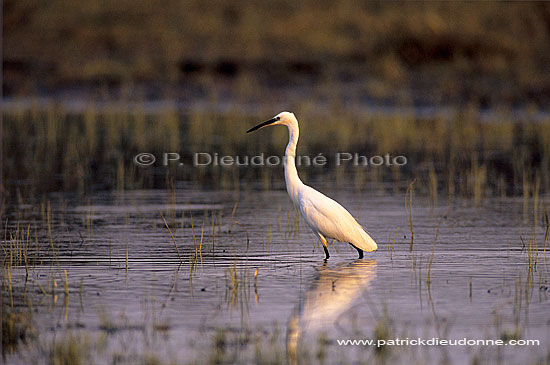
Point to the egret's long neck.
(293, 182)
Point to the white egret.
(326, 217)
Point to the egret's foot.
(326, 253)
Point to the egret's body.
(326, 217)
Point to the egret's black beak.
(264, 124)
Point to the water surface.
(245, 279)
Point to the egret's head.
(283, 118)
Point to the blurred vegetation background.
(460, 88)
(485, 52)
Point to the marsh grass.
(95, 150)
(172, 236)
(433, 186)
(408, 210)
(17, 328)
(383, 331)
(238, 282)
(392, 248)
(546, 232)
(71, 349)
(478, 178)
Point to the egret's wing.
(332, 220)
(326, 215)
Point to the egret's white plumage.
(326, 217)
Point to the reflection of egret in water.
(331, 295)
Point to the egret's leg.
(324, 242)
(326, 251)
(358, 250)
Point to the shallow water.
(176, 303)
